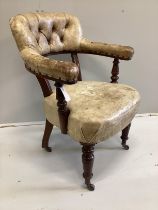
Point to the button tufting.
(53, 28)
(39, 29)
(62, 38)
(67, 24)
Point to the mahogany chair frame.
(63, 113)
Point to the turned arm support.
(115, 71)
(109, 50)
(63, 111)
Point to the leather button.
(67, 25)
(62, 38)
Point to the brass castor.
(125, 146)
(48, 149)
(91, 187)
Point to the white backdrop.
(124, 22)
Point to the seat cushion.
(98, 110)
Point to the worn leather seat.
(98, 110)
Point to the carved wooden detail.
(115, 71)
(87, 160)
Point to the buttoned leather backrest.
(46, 32)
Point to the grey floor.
(32, 179)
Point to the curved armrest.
(110, 50)
(56, 70)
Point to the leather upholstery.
(38, 34)
(98, 110)
(110, 50)
(46, 32)
(66, 71)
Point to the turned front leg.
(87, 160)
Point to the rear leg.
(124, 136)
(46, 135)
